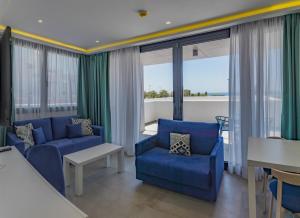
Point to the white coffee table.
(80, 158)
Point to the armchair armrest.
(98, 130)
(13, 140)
(217, 165)
(216, 150)
(145, 145)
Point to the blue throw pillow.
(74, 131)
(39, 136)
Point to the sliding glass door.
(205, 80)
(198, 67)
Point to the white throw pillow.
(180, 144)
(25, 133)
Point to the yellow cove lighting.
(169, 32)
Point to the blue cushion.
(204, 136)
(45, 123)
(59, 126)
(192, 171)
(74, 131)
(290, 196)
(39, 136)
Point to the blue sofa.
(56, 135)
(199, 175)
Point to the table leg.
(120, 161)
(108, 161)
(78, 180)
(251, 192)
(67, 172)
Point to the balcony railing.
(198, 108)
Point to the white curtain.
(126, 97)
(62, 77)
(255, 87)
(44, 81)
(27, 66)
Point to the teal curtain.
(290, 119)
(93, 90)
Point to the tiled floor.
(111, 195)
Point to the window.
(44, 81)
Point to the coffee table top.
(91, 154)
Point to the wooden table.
(24, 193)
(270, 153)
(86, 156)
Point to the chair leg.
(271, 207)
(264, 182)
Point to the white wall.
(194, 108)
(155, 109)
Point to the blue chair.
(46, 159)
(199, 175)
(286, 189)
(267, 177)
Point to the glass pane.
(27, 67)
(158, 87)
(205, 82)
(62, 81)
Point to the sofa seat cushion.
(186, 170)
(65, 146)
(86, 142)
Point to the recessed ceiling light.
(97, 41)
(40, 20)
(168, 22)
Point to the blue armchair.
(199, 175)
(56, 135)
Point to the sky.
(199, 75)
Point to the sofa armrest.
(145, 145)
(98, 130)
(217, 165)
(13, 140)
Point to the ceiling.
(82, 22)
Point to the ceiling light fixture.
(143, 13)
(40, 21)
(168, 22)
